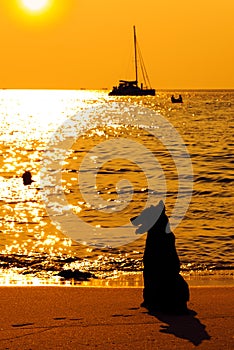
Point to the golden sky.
(72, 44)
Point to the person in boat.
(176, 100)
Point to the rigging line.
(143, 72)
(140, 62)
(143, 66)
(128, 67)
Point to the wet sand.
(111, 318)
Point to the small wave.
(103, 266)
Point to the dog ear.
(162, 205)
(134, 218)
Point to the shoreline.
(123, 280)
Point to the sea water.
(36, 242)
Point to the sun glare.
(35, 5)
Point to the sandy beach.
(111, 318)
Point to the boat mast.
(135, 52)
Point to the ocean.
(97, 161)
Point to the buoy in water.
(27, 178)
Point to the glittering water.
(32, 245)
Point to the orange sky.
(87, 43)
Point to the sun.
(35, 5)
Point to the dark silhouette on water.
(176, 100)
(76, 275)
(165, 290)
(27, 178)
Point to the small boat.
(131, 87)
(176, 100)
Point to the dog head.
(152, 217)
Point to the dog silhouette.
(165, 290)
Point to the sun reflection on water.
(33, 249)
(28, 119)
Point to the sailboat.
(131, 87)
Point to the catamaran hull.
(140, 92)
